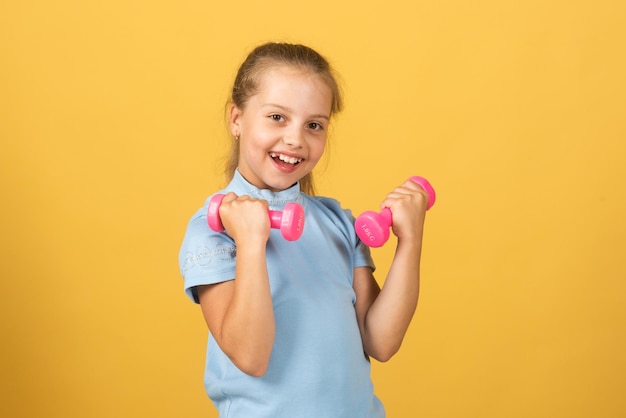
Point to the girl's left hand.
(407, 203)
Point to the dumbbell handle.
(290, 221)
(373, 228)
(276, 217)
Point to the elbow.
(383, 353)
(383, 356)
(254, 370)
(382, 359)
(251, 359)
(255, 366)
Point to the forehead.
(295, 85)
(285, 74)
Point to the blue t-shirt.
(317, 368)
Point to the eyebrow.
(321, 116)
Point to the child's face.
(282, 128)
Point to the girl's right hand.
(244, 218)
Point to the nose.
(294, 138)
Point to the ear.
(234, 119)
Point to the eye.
(276, 117)
(316, 126)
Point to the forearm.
(390, 315)
(248, 328)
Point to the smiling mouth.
(285, 158)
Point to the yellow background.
(112, 133)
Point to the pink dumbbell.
(373, 228)
(290, 221)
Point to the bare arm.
(384, 315)
(239, 312)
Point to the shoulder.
(326, 204)
(330, 210)
(330, 214)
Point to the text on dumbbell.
(368, 233)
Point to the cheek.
(248, 151)
(260, 137)
(317, 149)
(253, 142)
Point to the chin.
(278, 186)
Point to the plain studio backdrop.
(112, 134)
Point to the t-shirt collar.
(275, 200)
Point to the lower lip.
(285, 167)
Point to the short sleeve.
(206, 256)
(362, 254)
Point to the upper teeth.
(286, 158)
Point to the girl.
(292, 325)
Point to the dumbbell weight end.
(373, 228)
(290, 221)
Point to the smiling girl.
(293, 325)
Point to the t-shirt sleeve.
(362, 254)
(206, 256)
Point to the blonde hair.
(248, 80)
